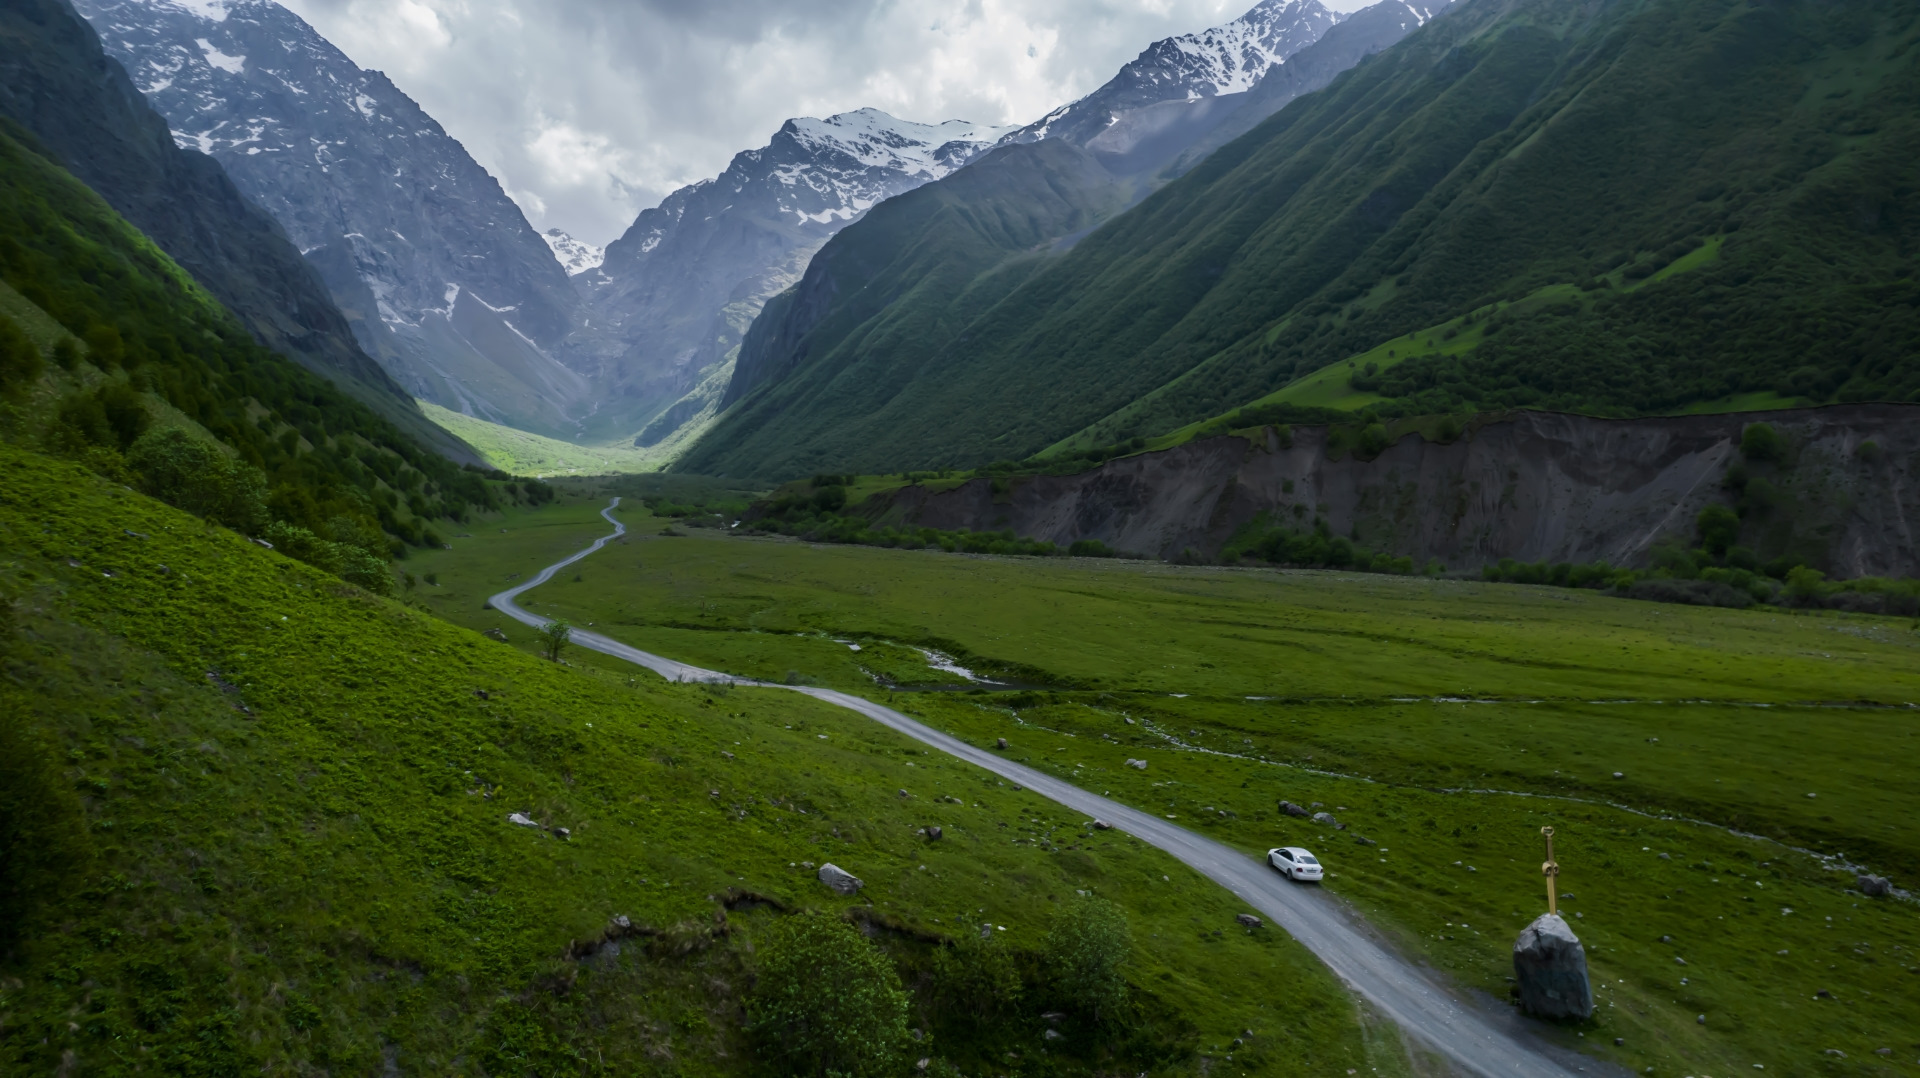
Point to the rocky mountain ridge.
(1223, 60)
(58, 83)
(677, 290)
(439, 272)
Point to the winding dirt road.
(1478, 1040)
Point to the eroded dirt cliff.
(1530, 485)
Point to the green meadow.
(1717, 778)
(257, 821)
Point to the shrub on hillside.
(827, 1001)
(353, 564)
(43, 830)
(20, 361)
(976, 979)
(111, 416)
(1760, 442)
(1086, 953)
(191, 474)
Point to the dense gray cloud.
(590, 110)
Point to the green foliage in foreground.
(1444, 721)
(256, 821)
(827, 1002)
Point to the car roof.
(1294, 849)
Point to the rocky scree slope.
(1099, 156)
(676, 291)
(78, 103)
(438, 271)
(1533, 486)
(1506, 147)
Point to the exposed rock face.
(58, 82)
(675, 293)
(839, 880)
(1552, 970)
(443, 279)
(1534, 486)
(1874, 886)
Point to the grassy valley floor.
(1717, 778)
(257, 821)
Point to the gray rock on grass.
(494, 634)
(839, 880)
(1248, 919)
(1551, 966)
(1294, 810)
(1874, 886)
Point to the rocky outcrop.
(1534, 486)
(1551, 967)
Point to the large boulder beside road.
(1551, 967)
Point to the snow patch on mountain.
(232, 65)
(211, 10)
(1223, 60)
(878, 140)
(576, 256)
(836, 169)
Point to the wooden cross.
(1551, 870)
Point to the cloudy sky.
(589, 111)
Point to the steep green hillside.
(256, 821)
(123, 345)
(1505, 147)
(916, 270)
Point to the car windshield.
(1305, 858)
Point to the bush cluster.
(826, 1001)
(1318, 548)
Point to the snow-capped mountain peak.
(1227, 59)
(576, 256)
(878, 140)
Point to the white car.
(1295, 862)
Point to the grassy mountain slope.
(917, 270)
(124, 342)
(1506, 146)
(256, 822)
